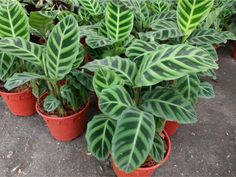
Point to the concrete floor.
(206, 149)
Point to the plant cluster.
(151, 58)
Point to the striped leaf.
(114, 100)
(211, 50)
(204, 37)
(170, 105)
(80, 57)
(133, 139)
(119, 21)
(95, 41)
(62, 48)
(139, 48)
(162, 30)
(99, 136)
(92, 6)
(51, 103)
(105, 78)
(22, 49)
(19, 79)
(229, 35)
(209, 73)
(83, 78)
(173, 62)
(190, 13)
(166, 16)
(158, 149)
(6, 62)
(42, 23)
(159, 6)
(125, 68)
(206, 90)
(13, 20)
(189, 86)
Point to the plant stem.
(137, 96)
(61, 109)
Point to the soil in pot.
(64, 128)
(149, 167)
(171, 127)
(21, 101)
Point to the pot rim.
(16, 93)
(60, 118)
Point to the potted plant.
(14, 23)
(62, 106)
(138, 94)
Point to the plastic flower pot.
(65, 128)
(147, 171)
(171, 127)
(20, 103)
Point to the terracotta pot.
(171, 127)
(65, 128)
(145, 172)
(20, 103)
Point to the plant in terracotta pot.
(62, 106)
(136, 100)
(14, 23)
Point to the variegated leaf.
(6, 62)
(114, 101)
(158, 148)
(206, 90)
(133, 137)
(170, 105)
(99, 134)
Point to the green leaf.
(229, 35)
(119, 21)
(19, 79)
(95, 41)
(114, 100)
(211, 50)
(43, 24)
(139, 48)
(170, 105)
(158, 149)
(133, 139)
(204, 37)
(162, 30)
(159, 6)
(104, 78)
(165, 16)
(190, 13)
(13, 20)
(71, 95)
(80, 57)
(189, 87)
(6, 62)
(92, 6)
(125, 68)
(51, 103)
(62, 48)
(206, 90)
(172, 62)
(84, 79)
(209, 73)
(22, 49)
(99, 136)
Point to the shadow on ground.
(206, 149)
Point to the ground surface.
(206, 149)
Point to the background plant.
(57, 60)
